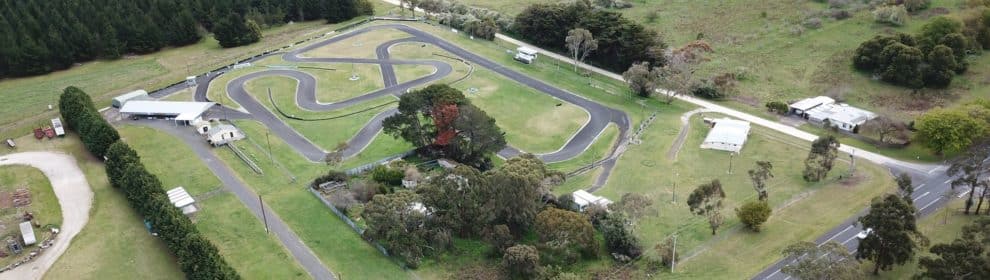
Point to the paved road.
(75, 198)
(932, 191)
(289, 239)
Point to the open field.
(131, 252)
(359, 46)
(533, 121)
(222, 218)
(644, 169)
(103, 79)
(330, 238)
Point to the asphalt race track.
(600, 115)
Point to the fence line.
(369, 166)
(347, 220)
(244, 158)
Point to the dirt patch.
(6, 200)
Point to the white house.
(223, 134)
(841, 116)
(583, 199)
(27, 233)
(525, 55)
(801, 107)
(182, 200)
(727, 135)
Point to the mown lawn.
(222, 218)
(284, 187)
(131, 253)
(359, 46)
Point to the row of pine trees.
(38, 37)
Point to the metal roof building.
(183, 112)
(800, 107)
(182, 200)
(57, 125)
(27, 233)
(727, 135)
(122, 99)
(583, 199)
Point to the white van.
(525, 55)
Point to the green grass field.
(645, 170)
(359, 46)
(132, 252)
(222, 218)
(431, 52)
(330, 238)
(409, 72)
(532, 120)
(103, 79)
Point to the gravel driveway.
(74, 196)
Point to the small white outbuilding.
(182, 200)
(727, 135)
(223, 134)
(122, 99)
(583, 199)
(27, 233)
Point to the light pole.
(731, 154)
(673, 254)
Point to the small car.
(865, 233)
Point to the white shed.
(525, 54)
(182, 200)
(120, 100)
(727, 135)
(27, 233)
(223, 134)
(583, 199)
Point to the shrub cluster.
(928, 59)
(482, 23)
(197, 257)
(621, 41)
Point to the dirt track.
(74, 196)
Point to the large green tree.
(966, 257)
(821, 158)
(619, 237)
(233, 30)
(706, 200)
(393, 221)
(895, 235)
(522, 261)
(968, 173)
(753, 214)
(759, 176)
(461, 200)
(948, 130)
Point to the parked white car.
(865, 233)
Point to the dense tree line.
(966, 257)
(198, 258)
(621, 42)
(930, 58)
(38, 37)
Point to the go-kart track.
(600, 115)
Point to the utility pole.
(264, 217)
(852, 163)
(673, 254)
(269, 140)
(731, 154)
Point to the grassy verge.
(222, 218)
(130, 253)
(330, 238)
(940, 227)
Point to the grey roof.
(182, 110)
(728, 131)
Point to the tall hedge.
(80, 115)
(197, 257)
